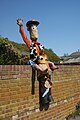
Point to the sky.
(59, 27)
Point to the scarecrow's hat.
(32, 22)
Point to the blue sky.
(59, 27)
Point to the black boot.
(46, 106)
(50, 98)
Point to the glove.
(20, 22)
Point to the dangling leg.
(50, 98)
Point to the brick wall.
(17, 102)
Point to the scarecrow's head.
(32, 28)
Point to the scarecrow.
(38, 60)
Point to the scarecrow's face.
(33, 32)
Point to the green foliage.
(52, 56)
(14, 53)
(76, 113)
(78, 107)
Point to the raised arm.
(25, 38)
